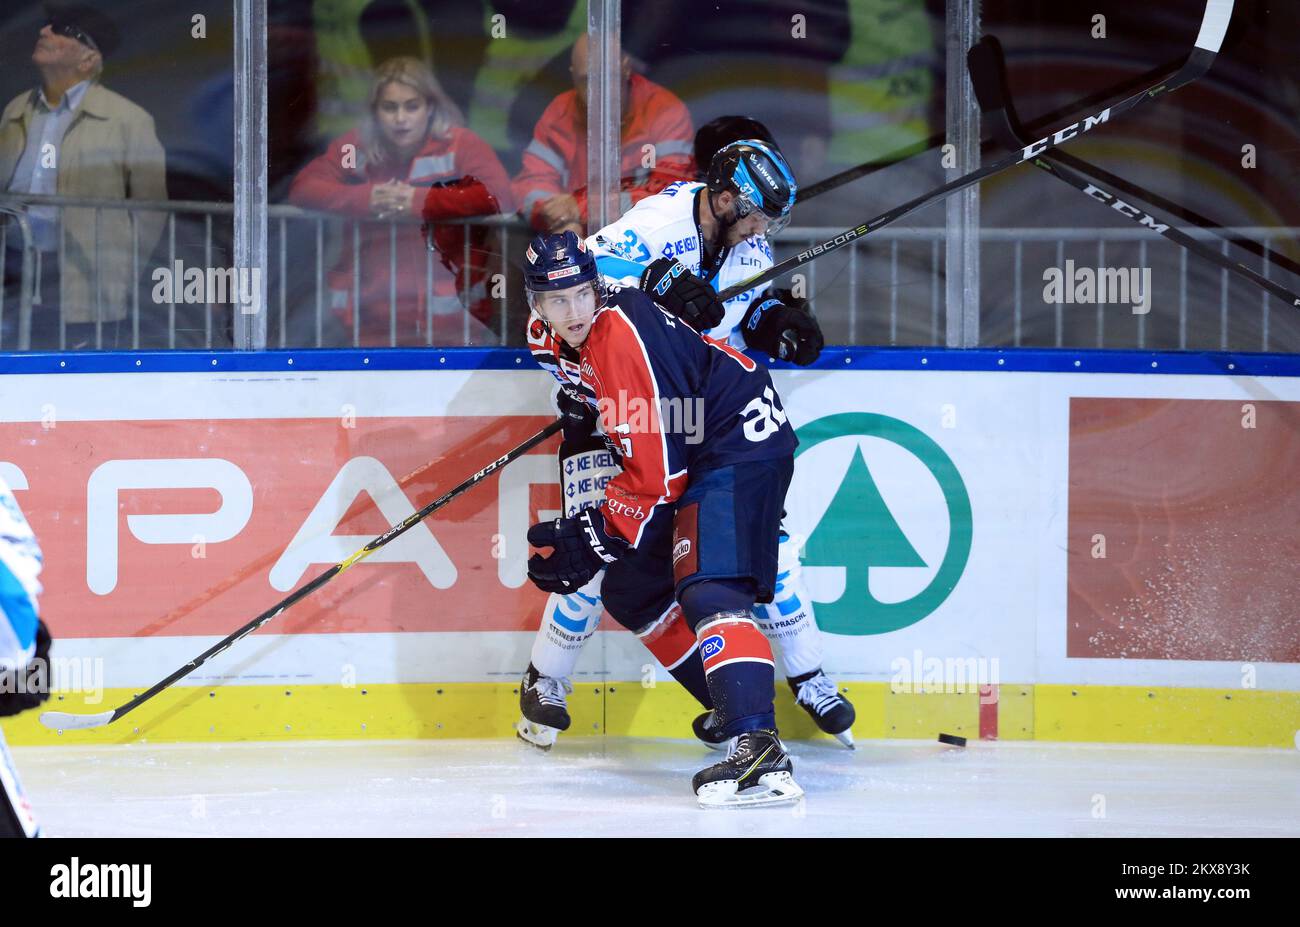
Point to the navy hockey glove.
(28, 687)
(671, 285)
(784, 332)
(582, 548)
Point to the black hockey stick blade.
(1214, 24)
(67, 721)
(988, 78)
(988, 75)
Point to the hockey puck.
(952, 739)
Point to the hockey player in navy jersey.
(683, 245)
(24, 652)
(693, 515)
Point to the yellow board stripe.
(1114, 714)
(1133, 714)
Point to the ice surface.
(596, 786)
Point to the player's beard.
(721, 224)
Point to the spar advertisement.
(1115, 529)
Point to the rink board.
(1112, 551)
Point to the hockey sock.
(673, 644)
(788, 621)
(567, 622)
(739, 668)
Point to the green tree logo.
(858, 531)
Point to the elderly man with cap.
(71, 136)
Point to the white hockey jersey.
(20, 565)
(665, 225)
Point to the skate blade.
(773, 788)
(712, 746)
(536, 735)
(845, 737)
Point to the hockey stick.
(989, 78)
(1182, 212)
(1214, 24)
(867, 168)
(62, 720)
(252, 567)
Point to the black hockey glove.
(783, 331)
(578, 415)
(671, 285)
(786, 295)
(28, 687)
(582, 548)
(580, 432)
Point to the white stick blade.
(63, 721)
(1218, 13)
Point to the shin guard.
(739, 668)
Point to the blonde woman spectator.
(410, 158)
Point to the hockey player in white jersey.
(682, 246)
(24, 652)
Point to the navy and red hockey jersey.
(676, 402)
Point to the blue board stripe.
(1036, 360)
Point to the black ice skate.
(831, 711)
(709, 732)
(545, 711)
(757, 771)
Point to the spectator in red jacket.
(410, 159)
(551, 187)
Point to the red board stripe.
(989, 698)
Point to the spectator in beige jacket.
(71, 136)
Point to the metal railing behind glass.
(20, 279)
(887, 289)
(884, 289)
(167, 305)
